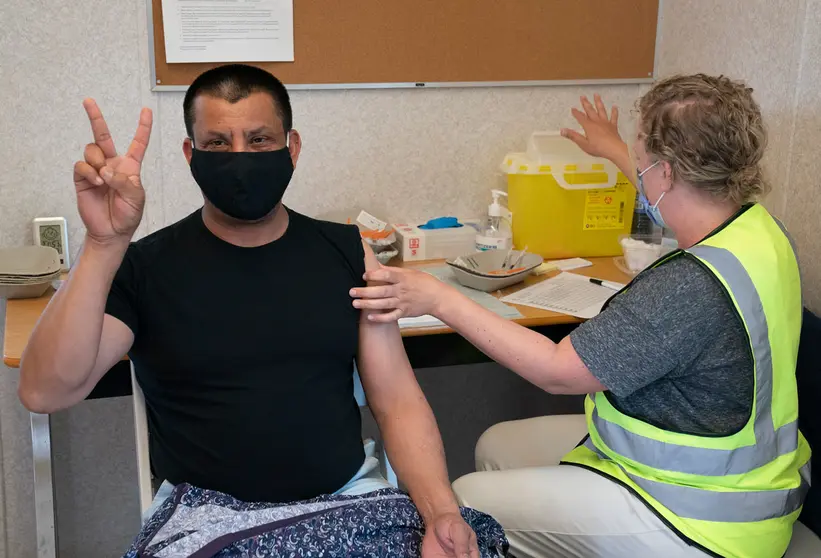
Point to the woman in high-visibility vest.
(689, 442)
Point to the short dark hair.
(234, 82)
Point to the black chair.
(808, 375)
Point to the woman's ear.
(668, 175)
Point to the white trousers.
(552, 510)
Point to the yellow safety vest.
(735, 496)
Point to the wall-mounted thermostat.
(53, 232)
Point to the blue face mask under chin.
(652, 211)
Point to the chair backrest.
(359, 395)
(358, 390)
(141, 435)
(808, 376)
(141, 438)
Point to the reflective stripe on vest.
(769, 443)
(794, 247)
(726, 507)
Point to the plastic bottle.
(496, 233)
(641, 221)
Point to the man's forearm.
(63, 347)
(414, 446)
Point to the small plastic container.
(642, 250)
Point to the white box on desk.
(435, 244)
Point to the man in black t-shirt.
(238, 320)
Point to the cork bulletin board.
(423, 43)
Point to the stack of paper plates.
(27, 271)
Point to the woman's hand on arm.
(405, 293)
(601, 136)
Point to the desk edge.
(11, 362)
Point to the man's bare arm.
(407, 425)
(74, 343)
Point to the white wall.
(776, 48)
(409, 154)
(802, 202)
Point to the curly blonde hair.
(709, 129)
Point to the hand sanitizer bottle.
(496, 233)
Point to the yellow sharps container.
(566, 203)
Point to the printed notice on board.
(604, 209)
(228, 30)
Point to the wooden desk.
(602, 268)
(426, 347)
(22, 315)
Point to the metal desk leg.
(43, 486)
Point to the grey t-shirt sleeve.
(669, 315)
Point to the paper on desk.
(489, 301)
(567, 293)
(572, 263)
(228, 31)
(420, 321)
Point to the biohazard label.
(604, 209)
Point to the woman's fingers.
(580, 117)
(600, 108)
(379, 291)
(377, 304)
(383, 275)
(386, 318)
(614, 116)
(588, 108)
(575, 137)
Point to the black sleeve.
(663, 321)
(358, 262)
(122, 298)
(347, 244)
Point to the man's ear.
(187, 149)
(294, 145)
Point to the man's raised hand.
(110, 196)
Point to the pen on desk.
(606, 284)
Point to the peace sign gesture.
(110, 196)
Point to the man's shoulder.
(339, 230)
(341, 236)
(336, 242)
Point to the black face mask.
(245, 185)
